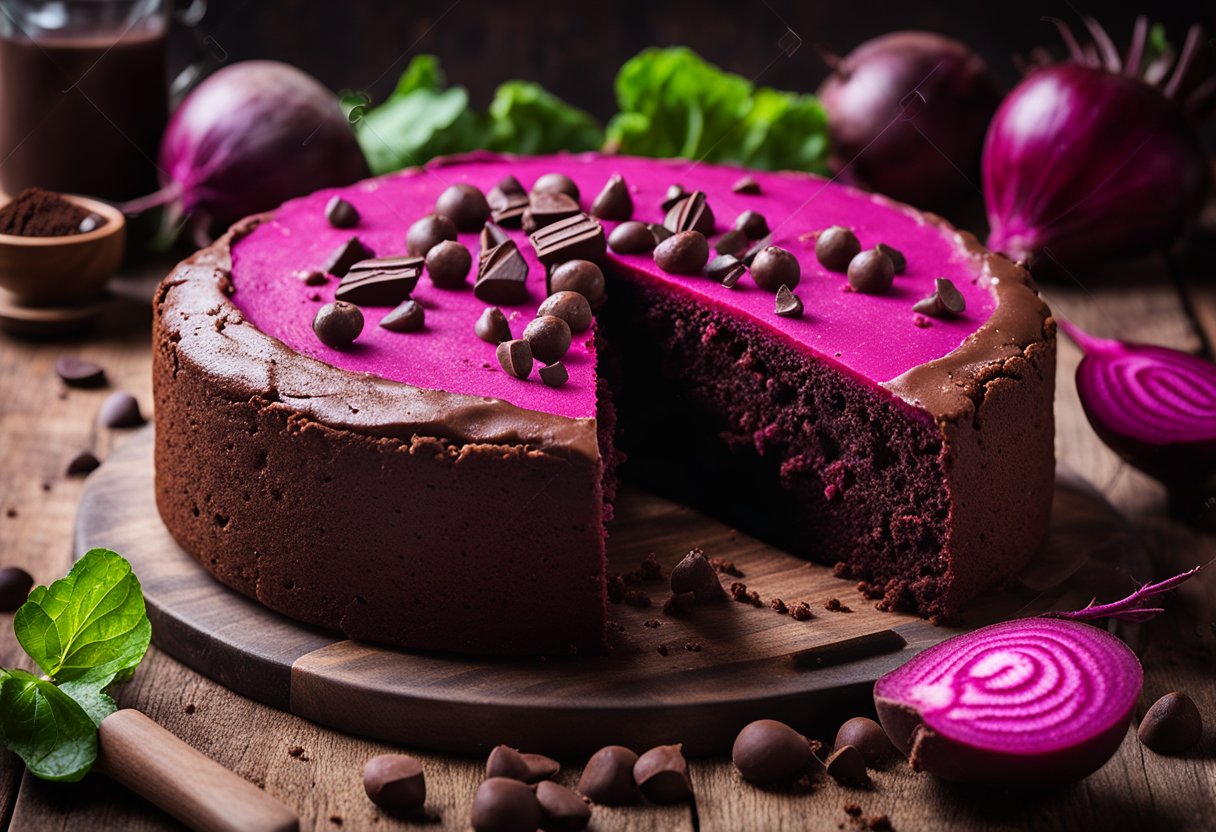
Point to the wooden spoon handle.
(192, 787)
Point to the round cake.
(417, 487)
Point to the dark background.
(575, 48)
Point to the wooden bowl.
(61, 271)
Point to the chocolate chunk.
(83, 463)
(515, 357)
(608, 777)
(505, 761)
(561, 809)
(509, 185)
(493, 327)
(312, 278)
(897, 257)
(847, 767)
(504, 805)
(753, 224)
(868, 737)
(774, 267)
(448, 264)
(346, 255)
(549, 338)
(408, 317)
(502, 276)
(492, 236)
(945, 302)
(769, 752)
(871, 272)
(547, 208)
(733, 242)
(385, 281)
(428, 232)
(464, 205)
(120, 410)
(614, 202)
(576, 238)
(692, 213)
(338, 324)
(556, 183)
(697, 575)
(341, 214)
(789, 305)
(395, 782)
(507, 207)
(746, 185)
(571, 307)
(674, 194)
(631, 238)
(77, 372)
(662, 775)
(726, 269)
(554, 375)
(683, 253)
(580, 276)
(760, 245)
(1172, 725)
(15, 586)
(836, 247)
(659, 232)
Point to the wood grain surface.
(1170, 301)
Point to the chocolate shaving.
(576, 238)
(789, 305)
(386, 281)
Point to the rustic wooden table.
(1163, 299)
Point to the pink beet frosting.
(875, 337)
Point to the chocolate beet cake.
(889, 413)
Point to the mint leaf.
(527, 119)
(45, 727)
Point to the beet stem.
(1187, 57)
(1135, 51)
(170, 193)
(1070, 41)
(1130, 608)
(1088, 343)
(1110, 55)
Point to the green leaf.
(527, 119)
(45, 727)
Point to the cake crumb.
(693, 646)
(12, 512)
(298, 752)
(852, 810)
(662, 649)
(336, 820)
(801, 611)
(616, 589)
(652, 623)
(189, 709)
(726, 567)
(637, 598)
(739, 591)
(779, 606)
(834, 605)
(678, 604)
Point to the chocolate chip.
(732, 242)
(346, 255)
(448, 264)
(608, 777)
(871, 272)
(502, 276)
(492, 236)
(576, 238)
(836, 247)
(674, 194)
(505, 761)
(77, 372)
(683, 253)
(1172, 725)
(868, 737)
(726, 269)
(83, 463)
(746, 185)
(493, 327)
(341, 214)
(507, 207)
(15, 586)
(774, 267)
(464, 205)
(547, 208)
(755, 248)
(549, 338)
(408, 317)
(554, 375)
(571, 307)
(768, 752)
(580, 276)
(338, 324)
(383, 281)
(847, 767)
(120, 410)
(509, 185)
(945, 302)
(631, 238)
(788, 305)
(662, 775)
(697, 575)
(428, 232)
(753, 224)
(515, 357)
(692, 213)
(659, 232)
(556, 183)
(614, 202)
(395, 782)
(561, 809)
(897, 257)
(504, 805)
(312, 278)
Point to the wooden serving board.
(720, 667)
